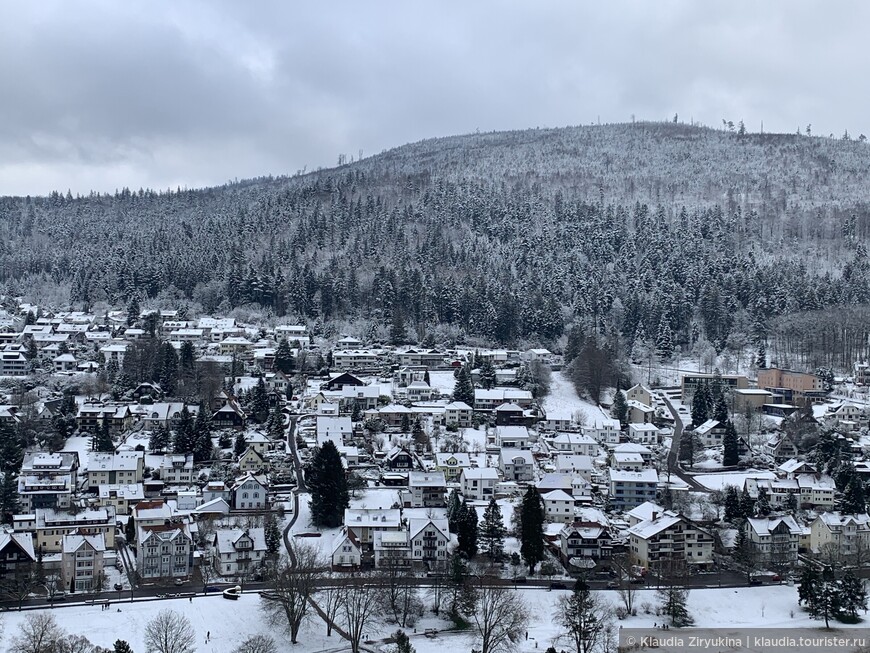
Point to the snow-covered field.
(230, 622)
(563, 399)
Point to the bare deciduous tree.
(75, 644)
(286, 602)
(625, 588)
(38, 634)
(330, 600)
(500, 618)
(169, 632)
(257, 644)
(360, 608)
(401, 603)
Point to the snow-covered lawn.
(719, 481)
(442, 381)
(563, 400)
(230, 622)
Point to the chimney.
(655, 514)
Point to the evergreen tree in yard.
(102, 440)
(720, 409)
(130, 530)
(664, 340)
(133, 310)
(492, 531)
(184, 432)
(203, 447)
(762, 504)
(674, 600)
(168, 371)
(159, 440)
(853, 500)
(791, 503)
(853, 597)
(731, 501)
(260, 401)
(809, 586)
(275, 423)
(239, 444)
(273, 536)
(701, 404)
(730, 445)
(487, 375)
(9, 500)
(283, 357)
(532, 529)
(398, 333)
(747, 503)
(11, 455)
(464, 389)
(468, 531)
(454, 510)
(121, 646)
(403, 643)
(328, 486)
(619, 409)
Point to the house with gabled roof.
(574, 443)
(459, 414)
(252, 461)
(250, 492)
(237, 552)
(17, 555)
(670, 537)
(346, 553)
(429, 538)
(776, 538)
(164, 551)
(452, 464)
(82, 562)
(478, 483)
(365, 522)
(585, 540)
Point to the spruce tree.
(747, 503)
(720, 409)
(260, 401)
(487, 375)
(853, 500)
(809, 586)
(853, 597)
(619, 408)
(492, 531)
(327, 484)
(454, 511)
(701, 404)
(762, 503)
(674, 603)
(11, 454)
(464, 389)
(273, 536)
(239, 444)
(732, 504)
(284, 360)
(402, 643)
(121, 646)
(102, 440)
(9, 499)
(532, 529)
(730, 446)
(664, 340)
(130, 530)
(159, 440)
(184, 432)
(468, 531)
(203, 447)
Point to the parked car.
(558, 585)
(118, 587)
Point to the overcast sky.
(105, 94)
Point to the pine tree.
(853, 501)
(664, 340)
(239, 444)
(102, 439)
(273, 536)
(732, 504)
(720, 409)
(11, 454)
(9, 500)
(454, 511)
(133, 310)
(761, 355)
(464, 389)
(203, 447)
(701, 404)
(747, 503)
(791, 503)
(184, 433)
(468, 531)
(532, 529)
(762, 503)
(487, 375)
(130, 530)
(328, 486)
(674, 603)
(260, 401)
(853, 597)
(492, 531)
(402, 643)
(122, 646)
(619, 409)
(159, 440)
(275, 423)
(284, 361)
(398, 333)
(167, 374)
(730, 446)
(809, 585)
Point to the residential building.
(559, 506)
(250, 493)
(332, 428)
(478, 483)
(605, 430)
(49, 526)
(627, 461)
(164, 551)
(364, 396)
(586, 540)
(847, 535)
(691, 382)
(710, 433)
(639, 393)
(516, 465)
(81, 562)
(47, 480)
(121, 497)
(452, 464)
(512, 437)
(575, 443)
(426, 490)
(252, 461)
(346, 551)
(392, 549)
(363, 523)
(177, 469)
(630, 489)
(17, 557)
(459, 414)
(399, 459)
(644, 434)
(792, 387)
(491, 399)
(776, 538)
(568, 463)
(121, 468)
(429, 539)
(237, 552)
(668, 538)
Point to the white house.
(346, 551)
(250, 493)
(516, 465)
(605, 430)
(237, 552)
(575, 443)
(478, 483)
(429, 539)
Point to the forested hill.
(629, 228)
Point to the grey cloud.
(105, 94)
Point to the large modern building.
(791, 387)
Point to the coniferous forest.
(650, 232)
